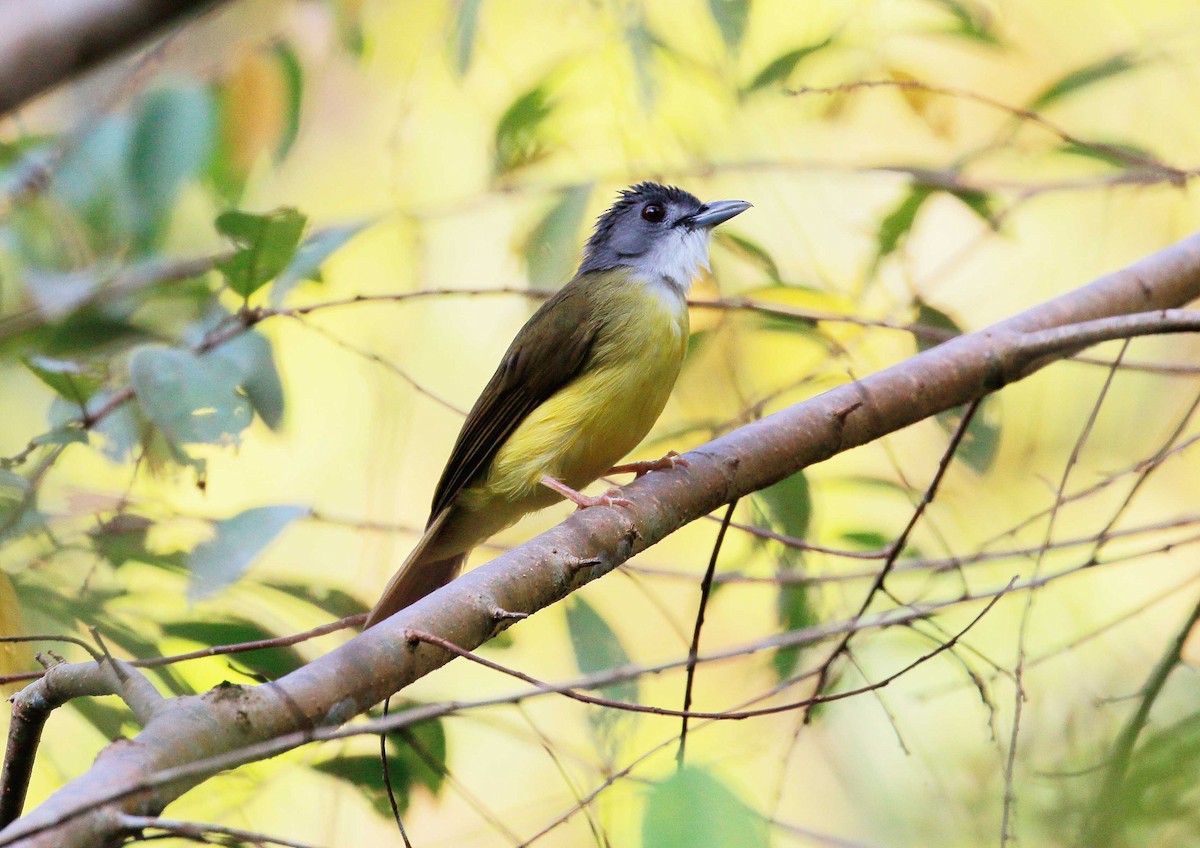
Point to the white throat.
(676, 259)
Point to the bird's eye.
(654, 212)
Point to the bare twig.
(694, 650)
(201, 832)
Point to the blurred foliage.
(179, 429)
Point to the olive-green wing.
(547, 353)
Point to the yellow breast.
(598, 418)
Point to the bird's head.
(659, 231)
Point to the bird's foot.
(610, 498)
(671, 460)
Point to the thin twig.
(694, 650)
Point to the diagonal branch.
(348, 680)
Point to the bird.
(579, 387)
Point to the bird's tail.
(417, 577)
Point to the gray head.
(659, 231)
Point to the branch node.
(500, 616)
(577, 564)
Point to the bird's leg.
(610, 498)
(671, 460)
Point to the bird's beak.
(717, 211)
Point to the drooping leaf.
(1081, 78)
(252, 361)
(981, 441)
(189, 398)
(58, 293)
(597, 648)
(788, 505)
(311, 255)
(408, 768)
(267, 664)
(750, 251)
(931, 316)
(971, 21)
(979, 202)
(793, 611)
(519, 139)
(787, 508)
(642, 46)
(293, 78)
(335, 602)
(112, 721)
(731, 17)
(265, 245)
(70, 380)
(94, 179)
(13, 487)
(173, 133)
(66, 434)
(1118, 154)
(780, 69)
(551, 250)
(466, 22)
(692, 807)
(899, 222)
(236, 542)
(122, 539)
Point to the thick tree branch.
(33, 704)
(469, 611)
(47, 42)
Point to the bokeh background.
(1002, 153)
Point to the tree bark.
(44, 42)
(470, 610)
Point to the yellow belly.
(593, 422)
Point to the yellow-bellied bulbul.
(581, 384)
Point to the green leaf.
(971, 23)
(1118, 154)
(59, 293)
(1084, 77)
(335, 602)
(293, 77)
(466, 22)
(897, 224)
(982, 439)
(252, 362)
(551, 251)
(173, 132)
(788, 505)
(750, 251)
(979, 202)
(265, 245)
(67, 434)
(235, 544)
(190, 398)
(122, 539)
(793, 612)
(692, 808)
(597, 648)
(642, 46)
(930, 316)
(519, 132)
(780, 69)
(408, 768)
(731, 17)
(112, 721)
(68, 379)
(311, 255)
(267, 663)
(13, 487)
